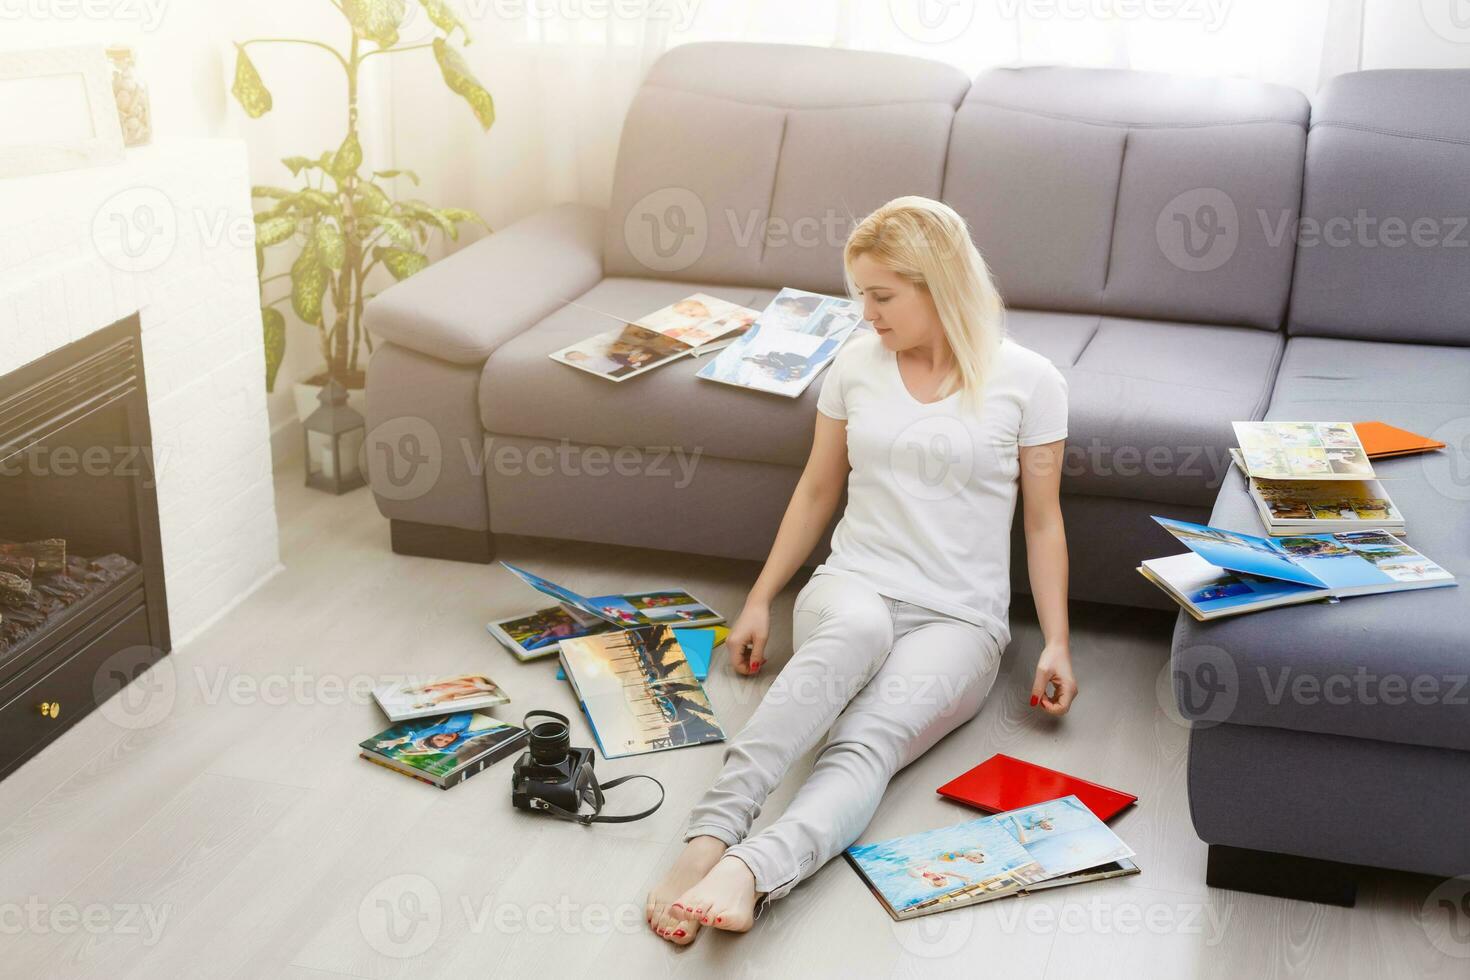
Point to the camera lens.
(550, 741)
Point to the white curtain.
(563, 71)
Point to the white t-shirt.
(932, 490)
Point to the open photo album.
(794, 338)
(1046, 845)
(1320, 506)
(540, 633)
(1227, 573)
(695, 322)
(1302, 451)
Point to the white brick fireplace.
(168, 234)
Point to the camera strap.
(593, 796)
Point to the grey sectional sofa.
(1141, 228)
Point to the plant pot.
(306, 392)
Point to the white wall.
(186, 57)
(560, 104)
(1415, 34)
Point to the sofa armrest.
(463, 307)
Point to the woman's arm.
(1046, 557)
(807, 516)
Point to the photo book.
(1320, 506)
(1381, 440)
(795, 337)
(436, 695)
(697, 322)
(1302, 451)
(539, 634)
(1046, 845)
(1227, 573)
(698, 644)
(1003, 783)
(639, 692)
(444, 750)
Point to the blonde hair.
(927, 243)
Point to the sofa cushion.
(1080, 186)
(1395, 667)
(1151, 406)
(1384, 247)
(525, 393)
(749, 163)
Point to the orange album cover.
(1380, 439)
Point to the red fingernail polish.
(1035, 700)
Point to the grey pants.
(889, 678)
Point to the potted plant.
(345, 223)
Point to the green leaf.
(461, 81)
(259, 261)
(425, 213)
(445, 19)
(313, 201)
(298, 164)
(274, 323)
(277, 193)
(308, 284)
(461, 215)
(348, 158)
(274, 231)
(390, 174)
(401, 262)
(398, 232)
(376, 20)
(330, 245)
(371, 200)
(248, 89)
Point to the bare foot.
(698, 857)
(724, 898)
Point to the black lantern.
(334, 438)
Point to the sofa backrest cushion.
(748, 163)
(1132, 193)
(1384, 247)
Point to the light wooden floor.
(218, 822)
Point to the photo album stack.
(443, 735)
(1333, 531)
(1037, 847)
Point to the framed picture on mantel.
(57, 111)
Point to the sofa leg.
(436, 541)
(1282, 875)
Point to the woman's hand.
(747, 640)
(1055, 687)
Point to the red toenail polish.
(679, 933)
(719, 918)
(1035, 701)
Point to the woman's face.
(902, 313)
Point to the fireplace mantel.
(168, 234)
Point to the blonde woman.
(931, 422)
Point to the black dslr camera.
(555, 778)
